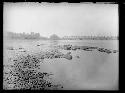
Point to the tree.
(54, 37)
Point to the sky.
(62, 19)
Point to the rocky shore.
(24, 74)
(86, 48)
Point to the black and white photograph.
(60, 46)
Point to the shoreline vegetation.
(37, 36)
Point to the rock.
(83, 47)
(93, 47)
(68, 56)
(20, 48)
(104, 50)
(115, 51)
(23, 51)
(69, 53)
(101, 49)
(10, 48)
(56, 56)
(42, 57)
(77, 56)
(67, 47)
(108, 51)
(87, 49)
(74, 48)
(78, 47)
(38, 45)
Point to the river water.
(92, 70)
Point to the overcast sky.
(61, 19)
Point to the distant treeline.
(23, 35)
(91, 38)
(32, 35)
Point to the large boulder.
(68, 56)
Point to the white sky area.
(61, 19)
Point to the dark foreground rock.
(29, 79)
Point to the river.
(92, 70)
